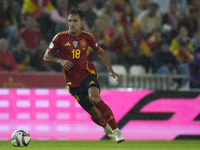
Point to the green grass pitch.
(106, 145)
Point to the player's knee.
(95, 99)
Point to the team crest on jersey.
(83, 44)
(75, 43)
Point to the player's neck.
(75, 34)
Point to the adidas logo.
(67, 44)
(92, 82)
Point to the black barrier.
(135, 114)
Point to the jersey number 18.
(76, 53)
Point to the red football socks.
(101, 121)
(107, 114)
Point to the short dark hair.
(76, 11)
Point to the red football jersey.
(73, 48)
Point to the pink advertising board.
(53, 114)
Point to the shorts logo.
(67, 44)
(83, 44)
(92, 82)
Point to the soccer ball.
(20, 138)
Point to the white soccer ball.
(20, 138)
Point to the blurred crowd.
(161, 35)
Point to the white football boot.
(109, 132)
(118, 135)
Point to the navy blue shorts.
(80, 93)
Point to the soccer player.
(80, 74)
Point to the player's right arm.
(50, 58)
(49, 54)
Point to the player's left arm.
(103, 55)
(105, 59)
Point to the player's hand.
(66, 64)
(115, 76)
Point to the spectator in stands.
(127, 16)
(90, 13)
(98, 30)
(30, 33)
(100, 3)
(7, 61)
(15, 38)
(140, 6)
(194, 4)
(115, 37)
(183, 54)
(194, 69)
(182, 37)
(7, 19)
(183, 7)
(191, 21)
(135, 39)
(59, 15)
(20, 2)
(150, 21)
(183, 57)
(41, 10)
(154, 40)
(82, 4)
(36, 7)
(136, 51)
(164, 62)
(108, 15)
(118, 4)
(21, 55)
(172, 18)
(163, 5)
(196, 39)
(36, 59)
(17, 11)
